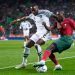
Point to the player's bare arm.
(50, 27)
(18, 20)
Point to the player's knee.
(52, 47)
(40, 42)
(38, 48)
(30, 44)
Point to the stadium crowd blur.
(13, 9)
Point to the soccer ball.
(41, 69)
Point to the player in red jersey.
(2, 30)
(65, 27)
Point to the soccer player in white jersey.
(25, 26)
(41, 31)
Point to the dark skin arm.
(58, 19)
(48, 28)
(18, 20)
(57, 25)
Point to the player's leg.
(46, 54)
(39, 51)
(26, 36)
(38, 48)
(55, 61)
(34, 39)
(41, 42)
(53, 58)
(49, 53)
(26, 50)
(58, 46)
(29, 44)
(25, 54)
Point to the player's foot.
(20, 66)
(58, 67)
(39, 64)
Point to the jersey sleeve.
(31, 16)
(46, 12)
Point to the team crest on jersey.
(65, 25)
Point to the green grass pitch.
(11, 53)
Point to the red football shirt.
(68, 25)
(2, 29)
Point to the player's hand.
(15, 21)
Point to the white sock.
(42, 61)
(39, 51)
(24, 60)
(25, 43)
(26, 54)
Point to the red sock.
(53, 58)
(46, 55)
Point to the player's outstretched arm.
(18, 20)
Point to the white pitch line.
(34, 62)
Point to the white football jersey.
(25, 25)
(46, 20)
(37, 20)
(46, 12)
(40, 20)
(31, 16)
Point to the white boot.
(58, 67)
(22, 65)
(40, 63)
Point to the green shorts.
(63, 43)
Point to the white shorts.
(35, 37)
(46, 37)
(26, 32)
